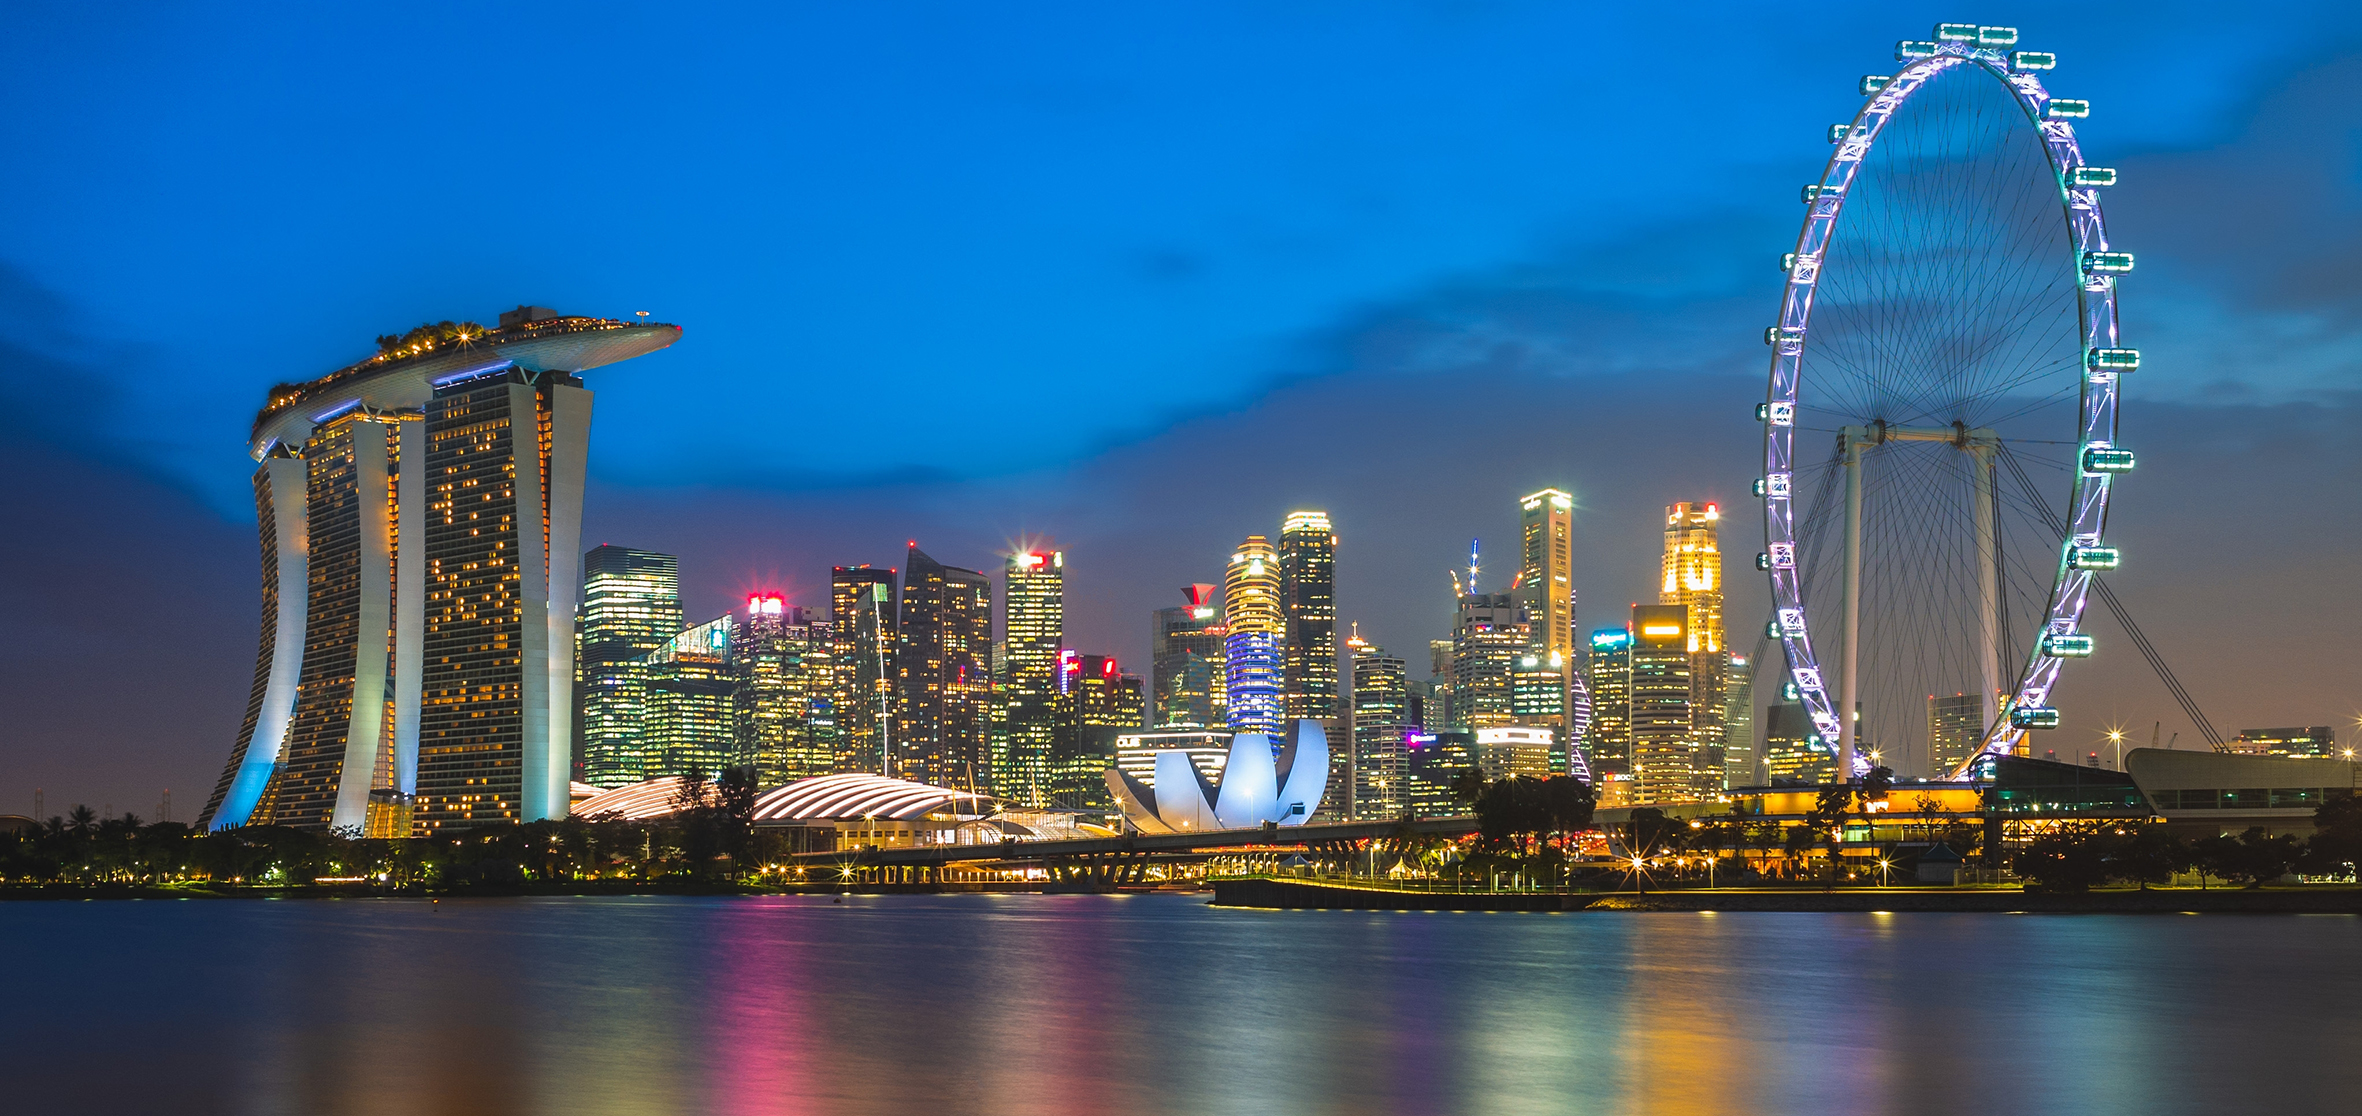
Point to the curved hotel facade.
(420, 524)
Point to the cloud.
(2251, 248)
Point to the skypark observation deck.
(406, 379)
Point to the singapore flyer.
(1939, 427)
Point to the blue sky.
(988, 272)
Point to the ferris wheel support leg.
(1849, 668)
(1988, 585)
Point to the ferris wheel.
(1940, 425)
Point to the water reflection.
(1083, 1004)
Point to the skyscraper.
(1793, 751)
(1033, 630)
(691, 725)
(1308, 599)
(1489, 638)
(1663, 737)
(631, 605)
(943, 675)
(861, 616)
(1252, 662)
(1692, 578)
(786, 720)
(1611, 701)
(1381, 701)
(1738, 724)
(1096, 703)
(1186, 666)
(341, 716)
(1955, 726)
(1537, 698)
(1545, 580)
(420, 511)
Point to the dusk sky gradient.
(1138, 280)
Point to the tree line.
(2077, 856)
(710, 839)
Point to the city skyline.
(1278, 413)
(1099, 516)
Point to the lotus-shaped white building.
(1260, 783)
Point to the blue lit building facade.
(1254, 666)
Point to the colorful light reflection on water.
(1105, 1004)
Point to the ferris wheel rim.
(2097, 418)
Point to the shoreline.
(1283, 894)
(1268, 894)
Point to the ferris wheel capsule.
(2034, 717)
(2093, 558)
(1997, 36)
(2107, 263)
(1912, 50)
(2113, 360)
(2107, 460)
(2033, 60)
(2067, 646)
(2092, 176)
(2064, 108)
(1956, 32)
(1872, 83)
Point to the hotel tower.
(420, 517)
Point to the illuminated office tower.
(1252, 663)
(1186, 664)
(1308, 600)
(1692, 578)
(1545, 580)
(1793, 751)
(691, 726)
(631, 605)
(861, 615)
(419, 516)
(1489, 638)
(1610, 676)
(1537, 699)
(1096, 702)
(1025, 722)
(786, 721)
(1435, 696)
(1663, 739)
(943, 675)
(1381, 732)
(2318, 741)
(1955, 726)
(1738, 724)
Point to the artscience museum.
(1262, 781)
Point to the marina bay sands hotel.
(420, 517)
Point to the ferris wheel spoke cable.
(2140, 640)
